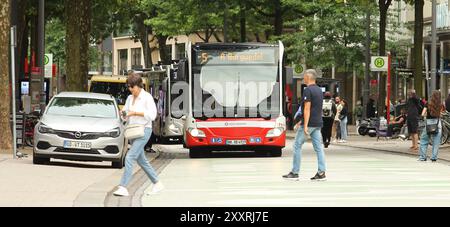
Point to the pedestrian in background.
(337, 121)
(447, 103)
(343, 119)
(310, 124)
(328, 113)
(414, 109)
(139, 109)
(433, 129)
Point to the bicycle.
(30, 122)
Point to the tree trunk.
(78, 27)
(383, 7)
(5, 96)
(418, 42)
(163, 50)
(278, 22)
(243, 22)
(144, 31)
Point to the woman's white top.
(144, 104)
(339, 108)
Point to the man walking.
(414, 112)
(310, 124)
(328, 114)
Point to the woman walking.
(433, 129)
(139, 109)
(343, 117)
(337, 121)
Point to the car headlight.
(44, 129)
(275, 132)
(197, 133)
(113, 133)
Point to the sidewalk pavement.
(62, 183)
(393, 146)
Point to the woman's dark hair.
(135, 80)
(435, 104)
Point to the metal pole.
(13, 87)
(388, 94)
(366, 89)
(41, 51)
(433, 47)
(442, 75)
(427, 75)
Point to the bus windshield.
(238, 81)
(118, 90)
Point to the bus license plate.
(77, 145)
(236, 142)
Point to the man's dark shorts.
(413, 125)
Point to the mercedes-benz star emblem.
(78, 135)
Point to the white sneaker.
(343, 141)
(158, 187)
(121, 191)
(335, 141)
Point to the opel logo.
(78, 135)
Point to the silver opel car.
(81, 127)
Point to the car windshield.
(82, 107)
(118, 90)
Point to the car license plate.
(77, 145)
(236, 142)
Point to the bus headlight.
(275, 132)
(197, 133)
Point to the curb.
(97, 194)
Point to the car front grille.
(77, 151)
(84, 135)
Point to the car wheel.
(39, 160)
(118, 164)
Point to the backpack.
(327, 109)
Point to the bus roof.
(112, 79)
(230, 45)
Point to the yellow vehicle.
(113, 85)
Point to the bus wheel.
(276, 152)
(197, 153)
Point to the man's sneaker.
(121, 191)
(291, 176)
(326, 145)
(421, 160)
(320, 176)
(433, 160)
(158, 187)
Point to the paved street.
(356, 177)
(361, 173)
(62, 183)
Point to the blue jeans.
(344, 129)
(137, 153)
(300, 139)
(424, 140)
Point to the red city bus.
(236, 98)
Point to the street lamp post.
(41, 52)
(433, 48)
